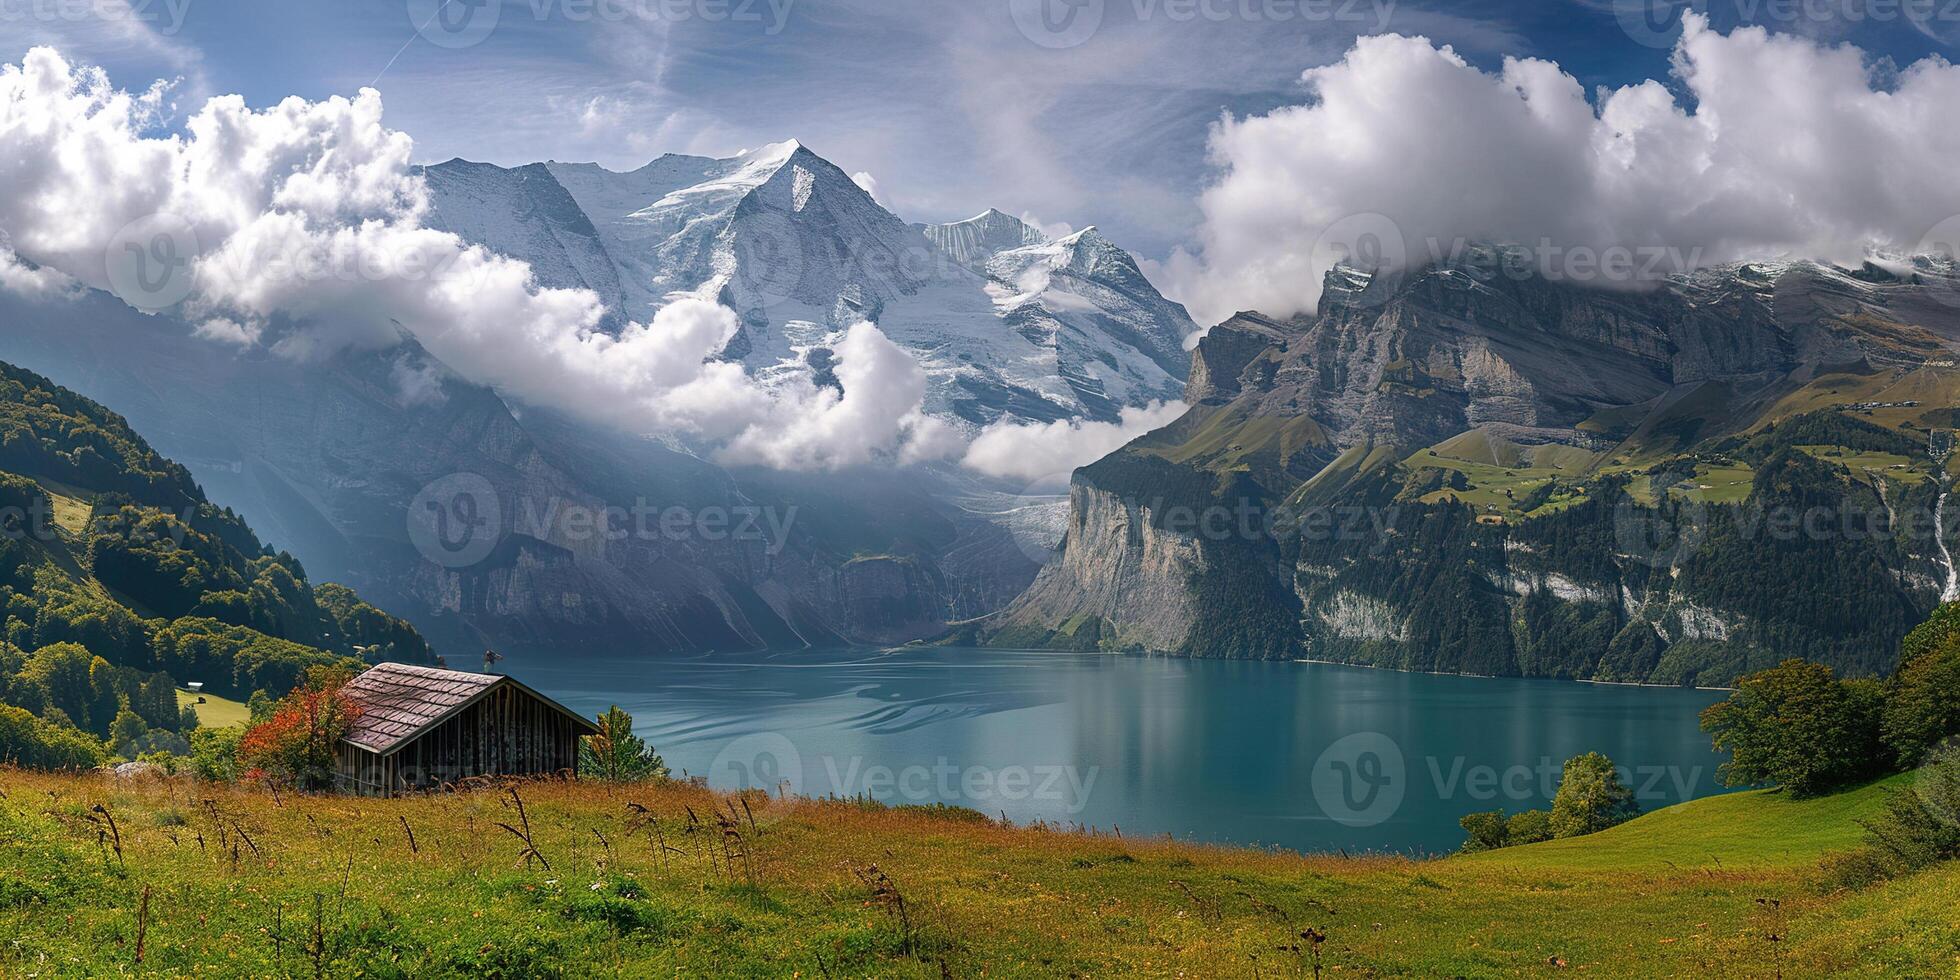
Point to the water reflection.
(1232, 751)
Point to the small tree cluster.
(1490, 830)
(1591, 797)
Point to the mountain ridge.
(1519, 429)
(791, 243)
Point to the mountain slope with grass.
(648, 880)
(1470, 468)
(120, 581)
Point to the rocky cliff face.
(1226, 351)
(1120, 580)
(1457, 468)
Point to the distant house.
(421, 728)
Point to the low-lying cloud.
(1777, 146)
(1043, 455)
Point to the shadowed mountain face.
(1464, 468)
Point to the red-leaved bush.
(295, 747)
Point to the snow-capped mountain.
(1004, 321)
(1083, 297)
(974, 241)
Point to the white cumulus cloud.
(1044, 454)
(1777, 146)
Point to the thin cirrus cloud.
(1778, 145)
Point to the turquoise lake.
(1304, 756)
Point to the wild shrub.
(295, 747)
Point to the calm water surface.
(1311, 757)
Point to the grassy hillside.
(242, 884)
(1757, 829)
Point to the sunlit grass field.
(673, 880)
(215, 712)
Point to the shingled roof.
(401, 701)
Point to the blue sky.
(951, 106)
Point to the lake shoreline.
(1146, 654)
(1571, 680)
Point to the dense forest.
(119, 582)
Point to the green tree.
(37, 744)
(127, 731)
(1921, 708)
(616, 755)
(1920, 825)
(1590, 798)
(260, 707)
(1798, 726)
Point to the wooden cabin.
(421, 728)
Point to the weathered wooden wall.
(506, 733)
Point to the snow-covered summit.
(973, 242)
(1003, 320)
